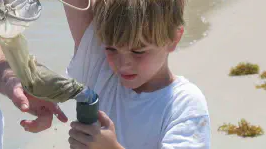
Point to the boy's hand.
(94, 136)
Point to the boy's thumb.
(104, 119)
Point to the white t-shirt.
(1, 129)
(175, 117)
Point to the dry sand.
(235, 33)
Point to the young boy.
(122, 49)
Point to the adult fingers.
(59, 113)
(20, 99)
(43, 122)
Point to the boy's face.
(137, 67)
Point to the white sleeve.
(192, 133)
(89, 65)
(188, 124)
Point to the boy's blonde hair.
(123, 22)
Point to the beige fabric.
(17, 15)
(36, 79)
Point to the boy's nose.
(125, 61)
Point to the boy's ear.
(178, 36)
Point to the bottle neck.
(86, 95)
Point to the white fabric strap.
(74, 7)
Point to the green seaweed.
(263, 75)
(244, 129)
(262, 86)
(244, 69)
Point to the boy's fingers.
(74, 144)
(93, 129)
(80, 137)
(59, 113)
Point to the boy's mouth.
(129, 76)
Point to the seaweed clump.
(262, 86)
(244, 69)
(263, 75)
(244, 129)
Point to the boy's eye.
(138, 52)
(110, 49)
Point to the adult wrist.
(7, 78)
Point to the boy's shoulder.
(184, 87)
(183, 102)
(187, 97)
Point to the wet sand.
(226, 33)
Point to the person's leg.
(1, 129)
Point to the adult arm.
(11, 87)
(78, 20)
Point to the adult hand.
(44, 110)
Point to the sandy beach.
(219, 34)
